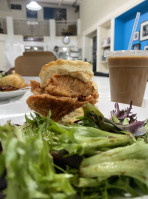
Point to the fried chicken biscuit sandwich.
(12, 82)
(64, 86)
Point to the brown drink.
(128, 72)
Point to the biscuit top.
(79, 69)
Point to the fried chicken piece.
(7, 88)
(61, 98)
(62, 85)
(65, 86)
(59, 106)
(35, 88)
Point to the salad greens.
(130, 160)
(30, 167)
(3, 74)
(95, 158)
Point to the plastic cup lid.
(126, 53)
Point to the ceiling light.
(33, 5)
(64, 49)
(35, 48)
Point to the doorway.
(94, 53)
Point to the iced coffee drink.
(128, 73)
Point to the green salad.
(94, 158)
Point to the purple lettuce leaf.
(2, 196)
(124, 113)
(134, 126)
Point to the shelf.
(107, 46)
(104, 44)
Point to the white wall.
(91, 11)
(2, 51)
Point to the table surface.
(103, 89)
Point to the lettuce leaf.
(30, 167)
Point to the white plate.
(10, 94)
(16, 113)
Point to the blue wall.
(124, 25)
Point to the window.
(31, 14)
(55, 13)
(34, 48)
(31, 38)
(16, 7)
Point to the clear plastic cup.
(128, 73)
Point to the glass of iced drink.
(128, 73)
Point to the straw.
(134, 29)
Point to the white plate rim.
(9, 94)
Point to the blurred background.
(70, 29)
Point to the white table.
(103, 89)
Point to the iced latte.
(128, 73)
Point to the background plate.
(10, 94)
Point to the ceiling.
(60, 2)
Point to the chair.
(31, 62)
